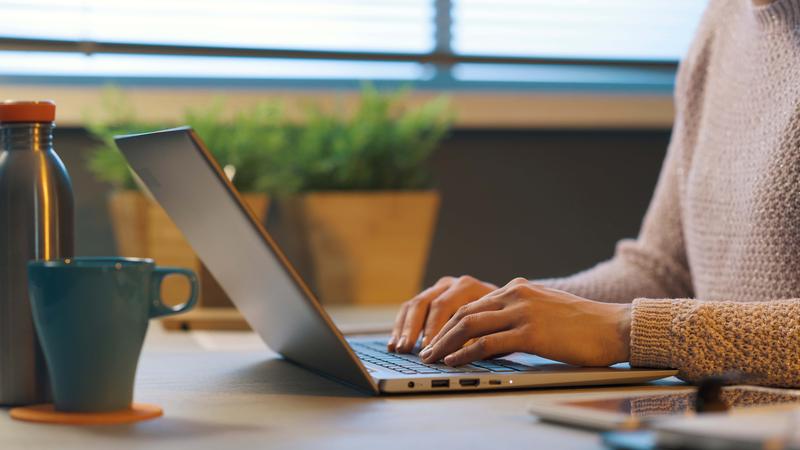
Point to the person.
(712, 283)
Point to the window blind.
(592, 29)
(436, 41)
(354, 25)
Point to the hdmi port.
(469, 382)
(440, 383)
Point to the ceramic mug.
(91, 315)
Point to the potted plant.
(362, 197)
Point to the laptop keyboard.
(375, 353)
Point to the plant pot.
(143, 229)
(366, 247)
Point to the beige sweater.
(714, 275)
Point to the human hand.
(428, 311)
(526, 317)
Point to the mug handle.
(157, 306)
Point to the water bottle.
(36, 222)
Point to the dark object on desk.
(36, 222)
(709, 395)
(629, 412)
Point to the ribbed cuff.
(778, 14)
(651, 323)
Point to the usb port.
(440, 383)
(494, 382)
(469, 382)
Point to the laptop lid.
(183, 176)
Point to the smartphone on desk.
(634, 411)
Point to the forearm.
(760, 340)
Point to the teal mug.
(91, 315)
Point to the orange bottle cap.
(20, 111)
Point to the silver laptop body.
(185, 179)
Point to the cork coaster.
(47, 414)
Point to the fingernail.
(402, 343)
(425, 352)
(449, 360)
(390, 344)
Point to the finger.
(399, 320)
(416, 312)
(465, 290)
(398, 326)
(489, 302)
(485, 347)
(469, 327)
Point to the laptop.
(184, 178)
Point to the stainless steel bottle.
(36, 222)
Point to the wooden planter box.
(366, 247)
(143, 229)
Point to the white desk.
(226, 391)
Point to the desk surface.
(225, 390)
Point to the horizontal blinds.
(609, 29)
(582, 30)
(343, 25)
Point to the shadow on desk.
(166, 428)
(235, 373)
(287, 378)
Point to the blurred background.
(547, 120)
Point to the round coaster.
(47, 414)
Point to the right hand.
(432, 308)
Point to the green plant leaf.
(382, 145)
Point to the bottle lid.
(26, 111)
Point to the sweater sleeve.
(760, 340)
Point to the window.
(610, 29)
(358, 25)
(436, 42)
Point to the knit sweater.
(714, 275)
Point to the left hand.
(525, 317)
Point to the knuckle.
(418, 302)
(439, 301)
(466, 324)
(482, 345)
(519, 280)
(519, 290)
(461, 312)
(466, 280)
(446, 279)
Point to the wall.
(540, 203)
(515, 203)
